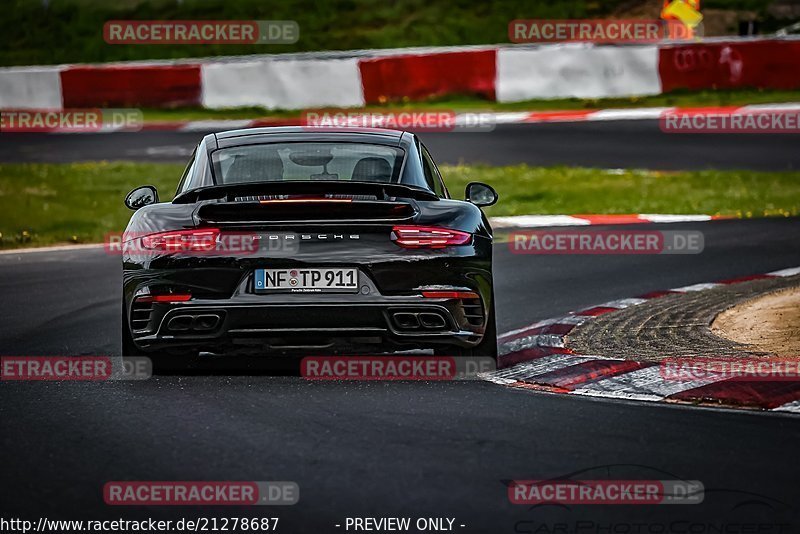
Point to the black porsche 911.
(285, 240)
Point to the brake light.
(428, 237)
(175, 297)
(304, 200)
(182, 240)
(450, 295)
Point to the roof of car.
(366, 134)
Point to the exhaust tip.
(432, 320)
(195, 323)
(205, 322)
(180, 323)
(406, 321)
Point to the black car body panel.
(406, 298)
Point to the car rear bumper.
(395, 323)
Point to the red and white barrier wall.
(31, 87)
(292, 84)
(576, 70)
(728, 65)
(501, 73)
(420, 76)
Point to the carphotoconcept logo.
(565, 503)
(201, 32)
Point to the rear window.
(276, 162)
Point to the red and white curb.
(531, 221)
(461, 119)
(631, 114)
(535, 357)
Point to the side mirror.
(141, 197)
(481, 194)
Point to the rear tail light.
(428, 237)
(450, 295)
(304, 200)
(172, 297)
(182, 240)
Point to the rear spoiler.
(231, 192)
(325, 210)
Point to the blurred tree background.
(39, 32)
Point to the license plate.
(307, 280)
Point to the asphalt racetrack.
(397, 449)
(382, 449)
(607, 144)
